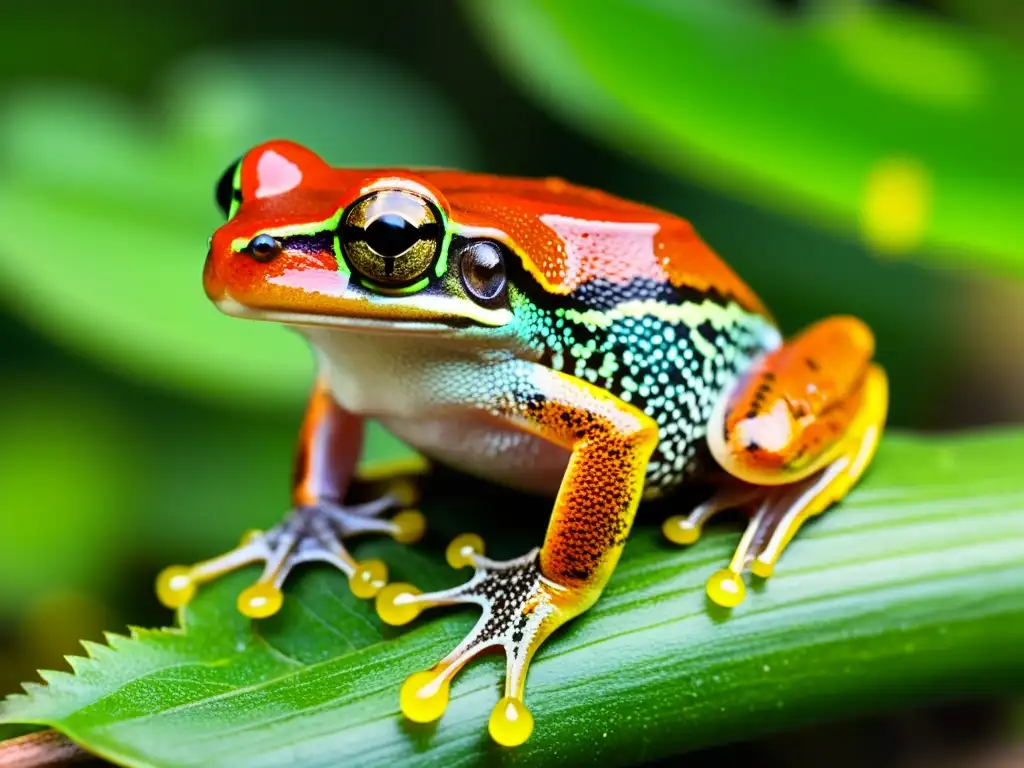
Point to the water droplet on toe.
(460, 552)
(424, 697)
(368, 578)
(511, 722)
(726, 588)
(679, 530)
(260, 601)
(175, 586)
(410, 526)
(394, 606)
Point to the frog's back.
(626, 297)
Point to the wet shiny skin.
(543, 335)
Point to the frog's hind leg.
(524, 600)
(797, 430)
(326, 472)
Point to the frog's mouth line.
(230, 306)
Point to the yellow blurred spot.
(368, 578)
(260, 601)
(896, 205)
(424, 697)
(394, 604)
(511, 722)
(762, 569)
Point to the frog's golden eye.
(391, 236)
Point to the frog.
(541, 335)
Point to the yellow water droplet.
(726, 588)
(896, 205)
(368, 578)
(260, 601)
(410, 526)
(424, 697)
(175, 586)
(679, 530)
(394, 606)
(462, 549)
(511, 722)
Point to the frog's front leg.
(796, 431)
(526, 599)
(325, 468)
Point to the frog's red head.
(311, 244)
(308, 243)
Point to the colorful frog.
(547, 336)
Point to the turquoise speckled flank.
(671, 360)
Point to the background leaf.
(126, 208)
(913, 586)
(60, 514)
(721, 91)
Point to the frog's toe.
(775, 518)
(755, 553)
(310, 534)
(686, 529)
(519, 613)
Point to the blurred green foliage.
(126, 203)
(863, 114)
(140, 427)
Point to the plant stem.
(45, 748)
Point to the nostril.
(263, 248)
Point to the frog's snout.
(212, 284)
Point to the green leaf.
(910, 591)
(105, 211)
(859, 114)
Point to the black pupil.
(391, 235)
(263, 246)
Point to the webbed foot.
(521, 608)
(796, 431)
(311, 533)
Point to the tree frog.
(548, 336)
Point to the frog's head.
(309, 244)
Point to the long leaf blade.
(912, 590)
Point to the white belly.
(394, 379)
(480, 446)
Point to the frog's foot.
(776, 514)
(521, 608)
(686, 529)
(796, 431)
(311, 533)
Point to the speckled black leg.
(520, 609)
